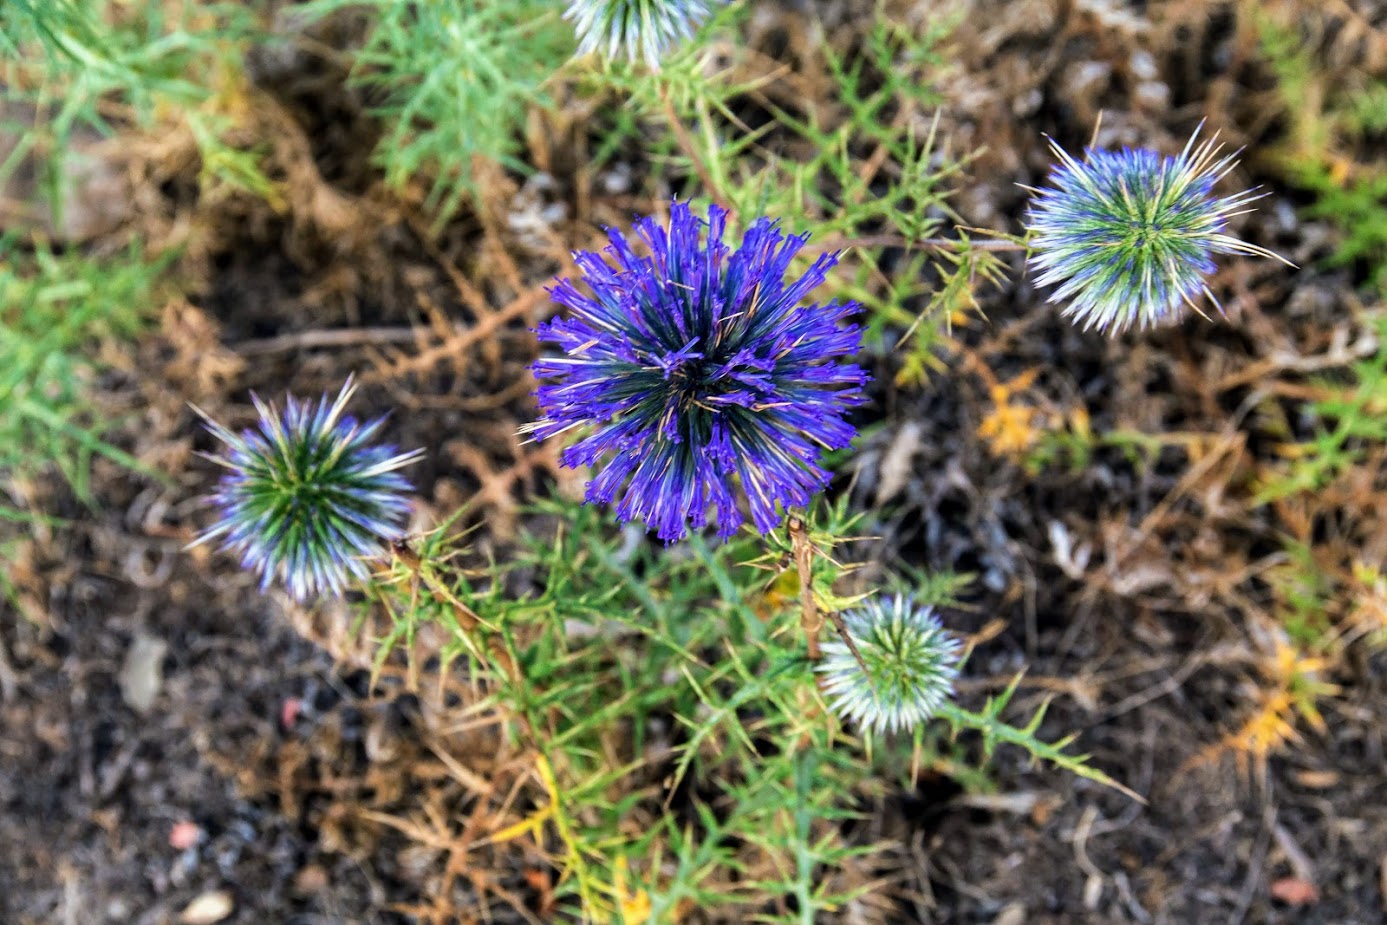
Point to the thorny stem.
(690, 149)
(467, 618)
(842, 629)
(946, 243)
(809, 616)
(938, 244)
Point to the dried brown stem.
(809, 617)
(842, 629)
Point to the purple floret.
(696, 370)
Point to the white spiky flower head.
(1129, 236)
(910, 660)
(308, 496)
(644, 28)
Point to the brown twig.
(837, 620)
(342, 337)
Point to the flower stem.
(690, 149)
(938, 244)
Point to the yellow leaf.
(535, 821)
(546, 776)
(531, 824)
(635, 904)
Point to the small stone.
(184, 835)
(142, 675)
(310, 879)
(1295, 891)
(94, 196)
(897, 464)
(1013, 914)
(1317, 780)
(289, 712)
(1093, 892)
(208, 909)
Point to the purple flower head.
(696, 370)
(306, 497)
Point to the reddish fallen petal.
(184, 835)
(289, 712)
(1294, 891)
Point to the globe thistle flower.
(910, 662)
(696, 370)
(646, 27)
(307, 498)
(1129, 235)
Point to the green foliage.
(1358, 207)
(457, 80)
(1305, 593)
(677, 715)
(1331, 150)
(678, 729)
(1330, 118)
(1074, 447)
(1352, 413)
(69, 61)
(54, 309)
(994, 731)
(97, 65)
(864, 173)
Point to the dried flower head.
(645, 27)
(695, 370)
(910, 660)
(307, 498)
(1129, 235)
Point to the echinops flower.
(307, 498)
(635, 27)
(911, 663)
(1128, 236)
(696, 370)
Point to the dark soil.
(1127, 588)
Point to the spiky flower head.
(1128, 236)
(696, 370)
(911, 663)
(635, 27)
(307, 498)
